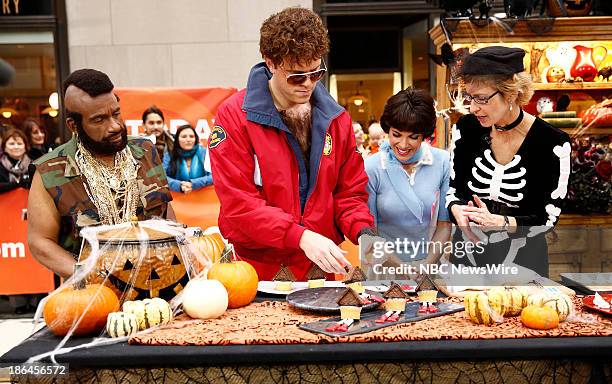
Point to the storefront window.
(32, 93)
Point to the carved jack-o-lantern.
(555, 74)
(135, 273)
(573, 7)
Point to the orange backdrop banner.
(196, 106)
(19, 272)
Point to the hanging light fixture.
(54, 100)
(7, 112)
(50, 111)
(358, 99)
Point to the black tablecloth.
(124, 355)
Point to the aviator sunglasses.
(300, 78)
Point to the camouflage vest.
(62, 179)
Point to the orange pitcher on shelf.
(584, 66)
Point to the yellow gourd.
(479, 309)
(149, 312)
(516, 300)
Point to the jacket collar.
(403, 183)
(259, 106)
(69, 151)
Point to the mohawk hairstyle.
(91, 81)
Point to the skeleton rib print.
(492, 182)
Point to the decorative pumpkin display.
(516, 300)
(205, 299)
(555, 74)
(149, 312)
(91, 303)
(160, 272)
(539, 317)
(121, 324)
(480, 311)
(237, 276)
(211, 245)
(562, 304)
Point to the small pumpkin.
(211, 245)
(121, 324)
(478, 308)
(237, 276)
(561, 303)
(91, 303)
(204, 299)
(149, 312)
(539, 317)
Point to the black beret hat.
(495, 60)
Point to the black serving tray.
(368, 319)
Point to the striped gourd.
(477, 306)
(149, 312)
(498, 300)
(559, 302)
(119, 324)
(515, 301)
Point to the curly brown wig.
(295, 34)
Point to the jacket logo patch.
(217, 135)
(328, 145)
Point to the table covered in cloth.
(275, 322)
(474, 355)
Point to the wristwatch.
(506, 222)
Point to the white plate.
(384, 287)
(269, 286)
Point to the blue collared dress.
(408, 205)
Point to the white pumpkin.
(204, 299)
(119, 324)
(149, 312)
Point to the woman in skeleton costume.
(509, 169)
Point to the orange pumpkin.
(238, 277)
(539, 317)
(64, 308)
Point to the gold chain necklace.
(113, 190)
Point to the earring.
(510, 107)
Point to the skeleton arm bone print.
(563, 153)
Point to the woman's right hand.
(462, 216)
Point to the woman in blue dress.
(408, 180)
(185, 166)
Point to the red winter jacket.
(267, 199)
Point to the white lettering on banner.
(133, 127)
(175, 123)
(13, 250)
(202, 128)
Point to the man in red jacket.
(288, 175)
